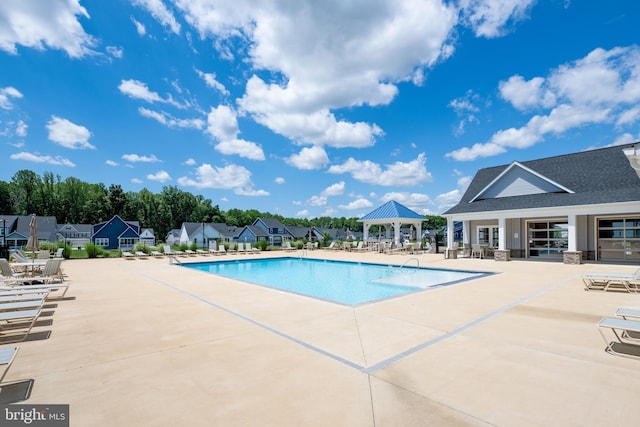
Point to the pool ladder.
(411, 259)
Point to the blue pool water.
(342, 282)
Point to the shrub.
(92, 250)
(262, 245)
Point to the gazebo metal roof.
(392, 210)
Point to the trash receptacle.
(4, 252)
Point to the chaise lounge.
(605, 281)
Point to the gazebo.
(392, 214)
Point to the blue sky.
(311, 108)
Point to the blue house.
(116, 234)
(276, 231)
(251, 234)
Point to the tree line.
(73, 201)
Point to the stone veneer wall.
(572, 257)
(504, 255)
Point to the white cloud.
(222, 124)
(415, 201)
(36, 158)
(138, 90)
(410, 173)
(357, 204)
(210, 80)
(140, 28)
(602, 87)
(111, 163)
(170, 121)
(336, 189)
(321, 61)
(160, 176)
(67, 134)
(303, 213)
(159, 11)
(230, 177)
(279, 180)
(21, 128)
(39, 25)
(5, 94)
(135, 158)
(116, 52)
(136, 181)
(526, 94)
(489, 18)
(309, 158)
(190, 162)
(317, 201)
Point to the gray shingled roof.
(596, 177)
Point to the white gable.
(518, 180)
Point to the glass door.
(548, 239)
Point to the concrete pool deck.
(143, 342)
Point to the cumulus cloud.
(136, 158)
(222, 125)
(360, 203)
(336, 189)
(111, 163)
(37, 158)
(491, 18)
(279, 180)
(160, 176)
(40, 25)
(67, 134)
(321, 61)
(6, 93)
(602, 87)
(397, 174)
(230, 177)
(309, 158)
(138, 90)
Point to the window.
(487, 235)
(619, 239)
(548, 239)
(102, 241)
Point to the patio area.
(144, 342)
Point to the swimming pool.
(343, 282)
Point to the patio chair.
(18, 320)
(241, 248)
(477, 250)
(51, 272)
(611, 280)
(222, 250)
(7, 356)
(621, 329)
(287, 246)
(6, 270)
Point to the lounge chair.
(331, 246)
(612, 280)
(128, 255)
(213, 248)
(190, 252)
(241, 248)
(7, 272)
(141, 254)
(287, 246)
(43, 287)
(202, 252)
(4, 298)
(169, 251)
(59, 253)
(18, 320)
(7, 356)
(622, 329)
(360, 247)
(33, 304)
(222, 250)
(50, 273)
(156, 253)
(625, 312)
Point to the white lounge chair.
(241, 249)
(7, 272)
(222, 250)
(612, 280)
(6, 297)
(168, 251)
(622, 330)
(42, 287)
(33, 304)
(156, 253)
(7, 356)
(128, 255)
(287, 246)
(23, 320)
(141, 254)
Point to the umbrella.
(32, 243)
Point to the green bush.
(262, 245)
(92, 250)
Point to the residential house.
(15, 229)
(75, 235)
(225, 233)
(573, 207)
(116, 234)
(148, 237)
(275, 229)
(252, 234)
(173, 237)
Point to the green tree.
(26, 185)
